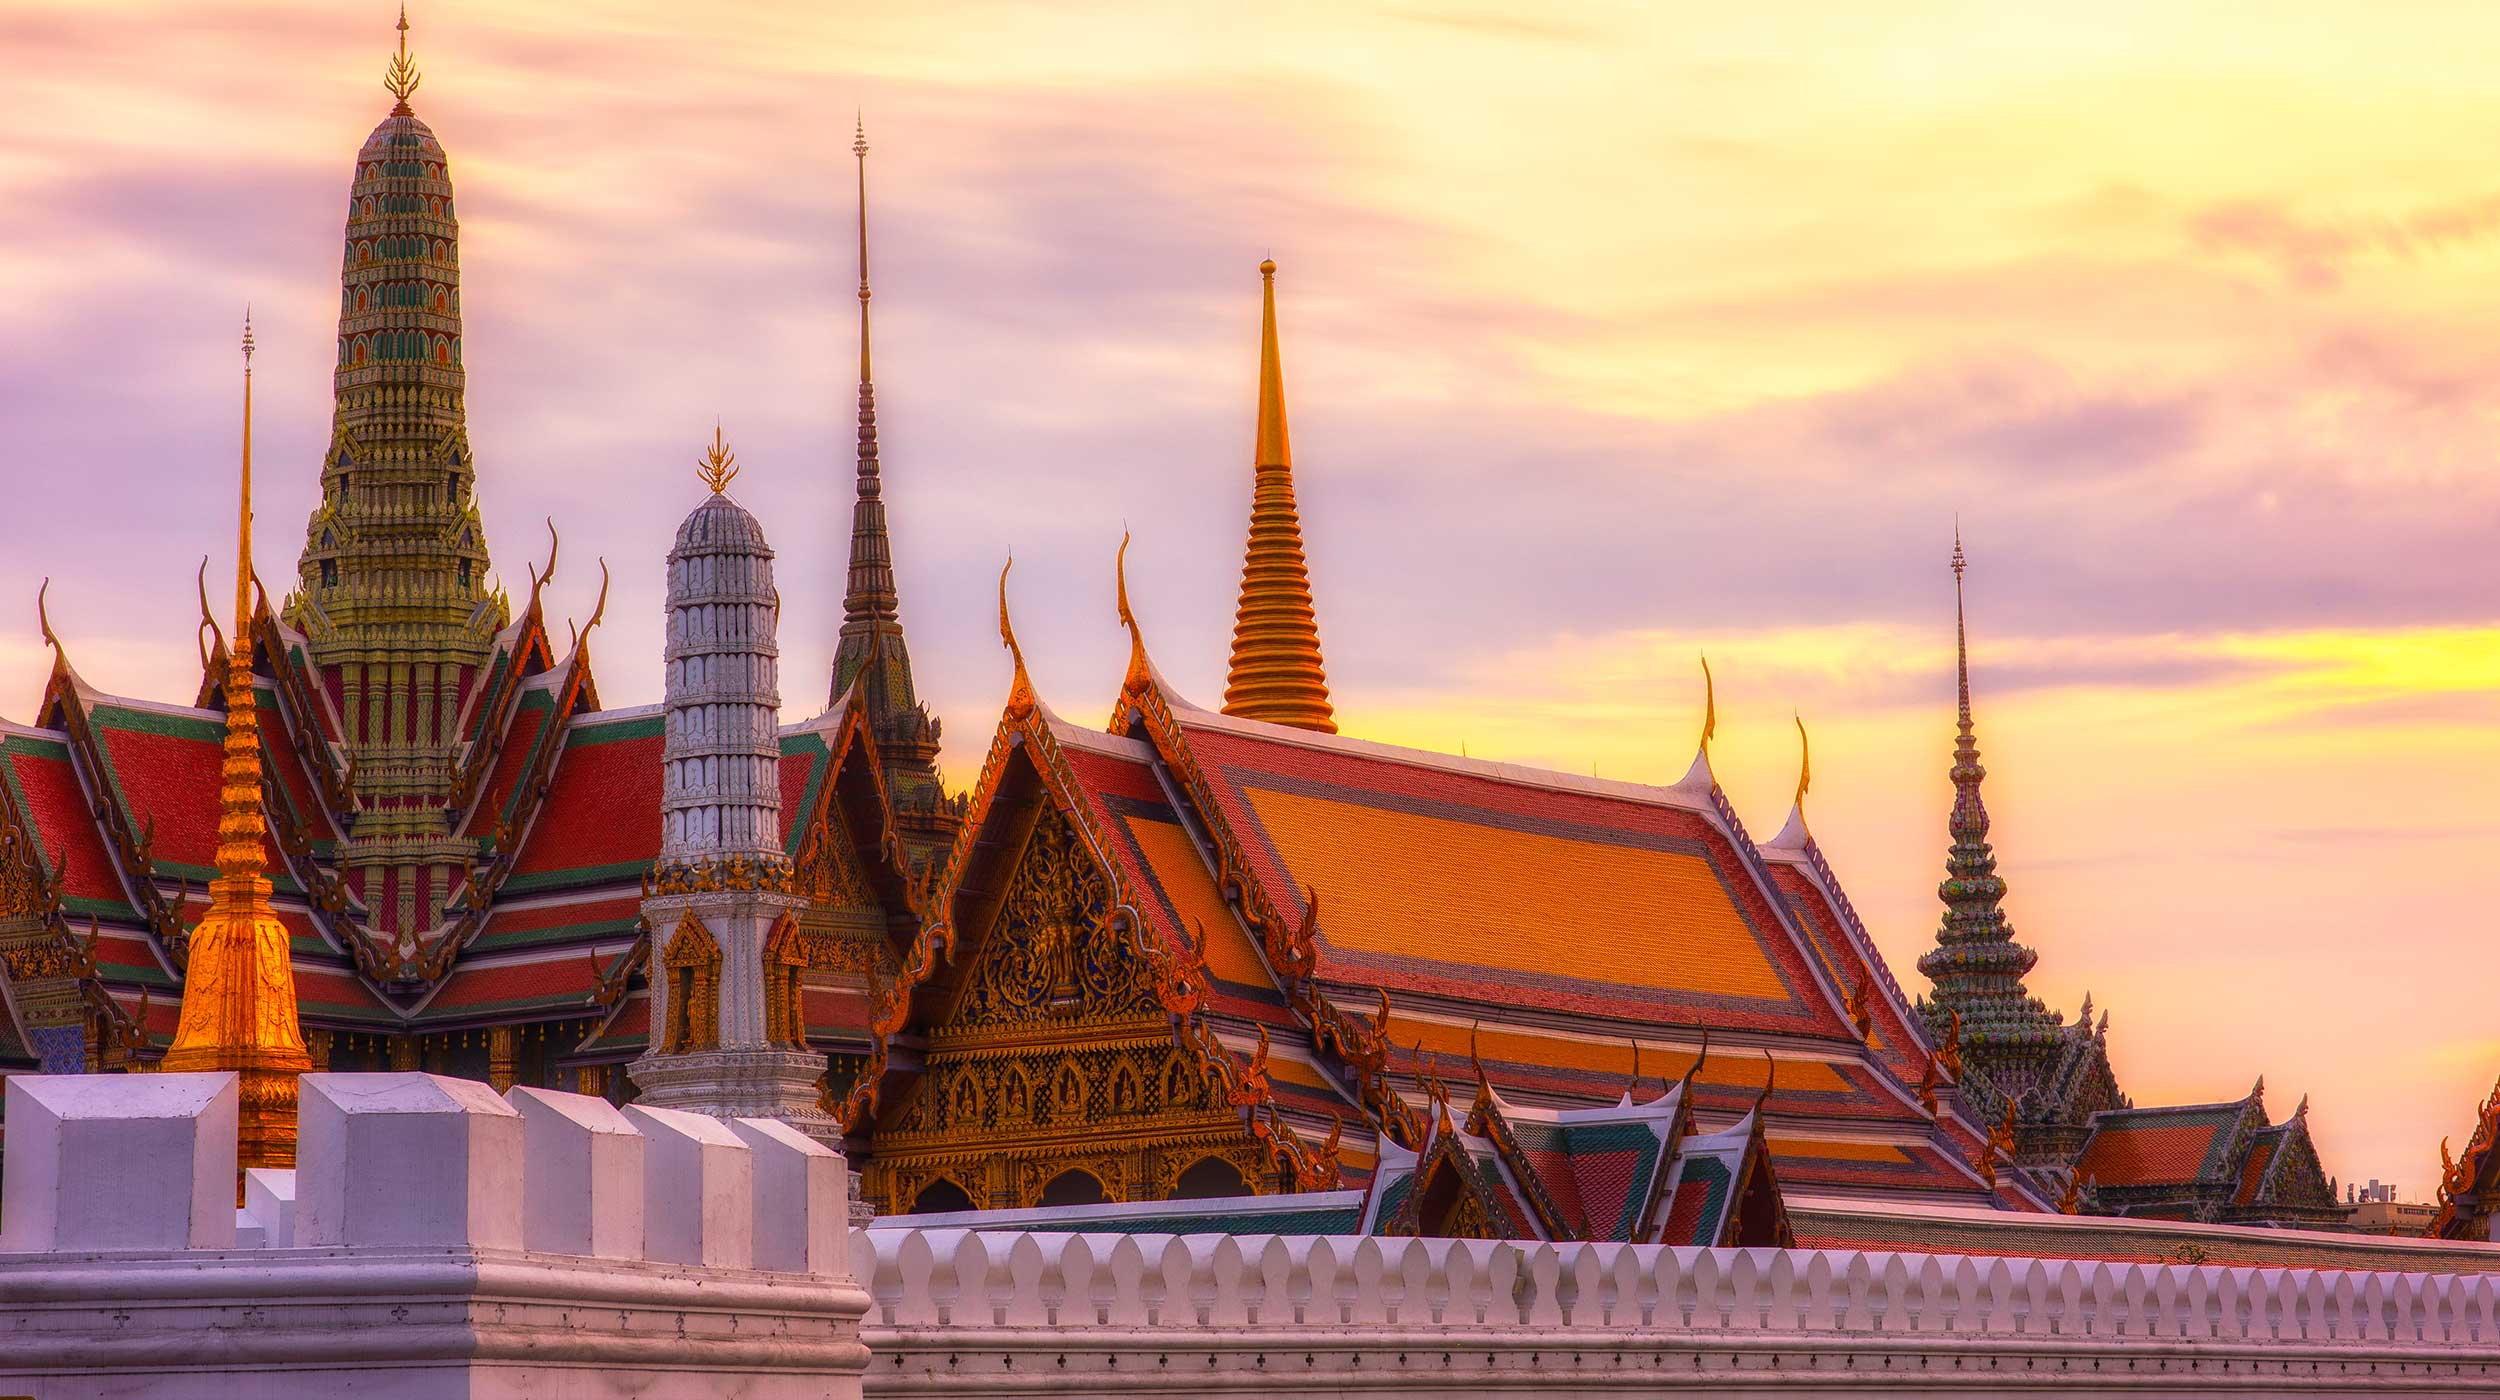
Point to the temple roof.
(2166, 1146)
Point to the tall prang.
(871, 652)
(391, 592)
(1976, 965)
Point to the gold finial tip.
(402, 77)
(1267, 268)
(719, 465)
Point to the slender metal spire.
(871, 608)
(1976, 965)
(1277, 674)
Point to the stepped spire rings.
(402, 77)
(718, 466)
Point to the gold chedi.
(238, 995)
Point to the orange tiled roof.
(2157, 1147)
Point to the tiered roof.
(2221, 1162)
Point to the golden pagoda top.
(719, 465)
(1276, 674)
(402, 77)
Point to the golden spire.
(238, 988)
(402, 77)
(719, 466)
(1276, 671)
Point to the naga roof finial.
(402, 77)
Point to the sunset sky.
(1612, 335)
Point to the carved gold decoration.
(692, 963)
(402, 77)
(719, 465)
(828, 873)
(1058, 1054)
(1054, 951)
(711, 874)
(785, 984)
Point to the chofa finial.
(1805, 761)
(1709, 706)
(719, 465)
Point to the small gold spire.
(719, 465)
(402, 77)
(238, 1002)
(1276, 672)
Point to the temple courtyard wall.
(437, 1239)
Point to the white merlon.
(698, 1189)
(406, 1159)
(583, 1192)
(268, 1208)
(957, 1312)
(119, 1162)
(802, 1199)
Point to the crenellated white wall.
(960, 1313)
(440, 1241)
(435, 1240)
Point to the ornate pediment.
(1053, 958)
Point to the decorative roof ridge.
(2149, 1110)
(31, 731)
(594, 718)
(1520, 775)
(1096, 741)
(824, 721)
(1904, 1007)
(95, 698)
(1666, 1105)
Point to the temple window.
(464, 573)
(692, 1016)
(1073, 1188)
(329, 573)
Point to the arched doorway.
(1073, 1188)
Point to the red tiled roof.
(2253, 1175)
(2148, 1153)
(45, 788)
(602, 809)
